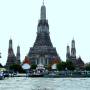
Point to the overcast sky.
(67, 19)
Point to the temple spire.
(43, 2)
(18, 55)
(10, 43)
(43, 11)
(68, 53)
(73, 49)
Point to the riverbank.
(56, 74)
(51, 74)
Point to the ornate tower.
(68, 53)
(42, 51)
(11, 59)
(73, 50)
(18, 55)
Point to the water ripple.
(22, 83)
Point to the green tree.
(33, 66)
(70, 65)
(16, 68)
(87, 67)
(61, 66)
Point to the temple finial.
(43, 2)
(43, 11)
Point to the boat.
(1, 76)
(36, 74)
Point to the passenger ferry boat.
(39, 72)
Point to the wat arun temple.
(43, 51)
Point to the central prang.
(43, 51)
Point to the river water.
(23, 83)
